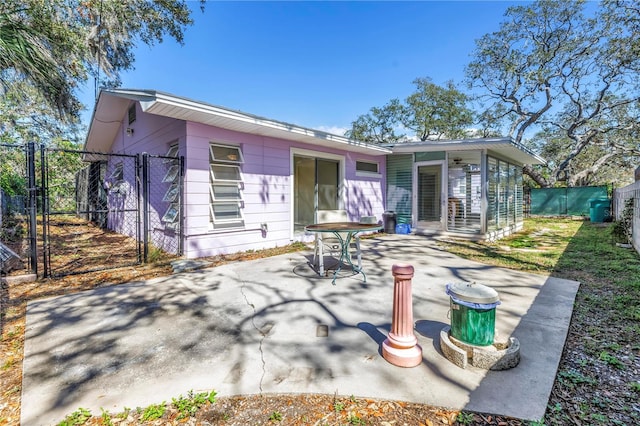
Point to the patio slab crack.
(264, 332)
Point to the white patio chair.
(330, 244)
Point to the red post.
(401, 346)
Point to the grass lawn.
(598, 381)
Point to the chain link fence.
(91, 211)
(15, 238)
(69, 211)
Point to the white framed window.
(132, 113)
(172, 174)
(225, 192)
(224, 173)
(118, 173)
(367, 168)
(225, 154)
(171, 215)
(172, 177)
(172, 152)
(226, 183)
(172, 194)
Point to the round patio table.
(344, 232)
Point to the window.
(367, 167)
(172, 196)
(225, 194)
(504, 194)
(132, 113)
(118, 173)
(172, 152)
(116, 179)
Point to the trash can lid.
(473, 292)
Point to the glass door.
(316, 186)
(429, 196)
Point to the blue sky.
(314, 64)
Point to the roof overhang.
(506, 147)
(112, 105)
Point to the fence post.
(33, 206)
(145, 207)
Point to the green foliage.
(622, 230)
(465, 418)
(154, 412)
(189, 405)
(355, 420)
(635, 386)
(436, 112)
(338, 406)
(78, 417)
(105, 417)
(611, 360)
(58, 44)
(588, 116)
(276, 416)
(431, 112)
(574, 377)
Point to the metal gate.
(104, 211)
(91, 211)
(18, 233)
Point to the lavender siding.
(152, 135)
(267, 191)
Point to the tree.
(379, 125)
(34, 47)
(431, 112)
(551, 66)
(58, 44)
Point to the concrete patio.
(251, 327)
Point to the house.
(471, 187)
(244, 182)
(248, 182)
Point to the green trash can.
(473, 312)
(598, 209)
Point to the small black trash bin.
(389, 219)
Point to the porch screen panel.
(519, 196)
(429, 196)
(492, 194)
(399, 186)
(464, 204)
(504, 195)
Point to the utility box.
(598, 209)
(473, 312)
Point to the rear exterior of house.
(243, 183)
(472, 188)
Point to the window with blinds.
(504, 194)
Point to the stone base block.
(499, 356)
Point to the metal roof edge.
(150, 98)
(469, 143)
